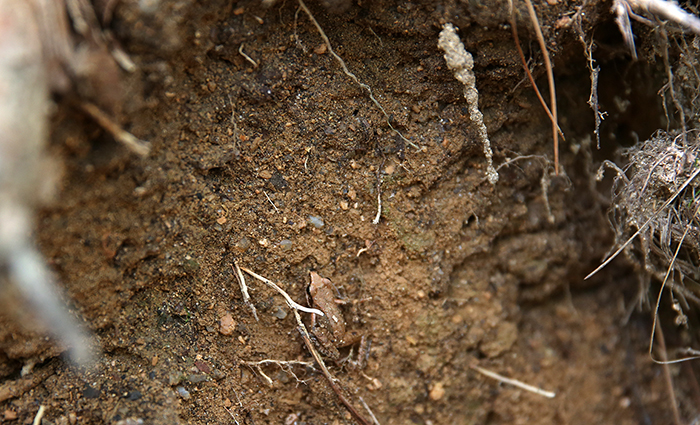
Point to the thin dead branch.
(285, 365)
(292, 304)
(516, 38)
(310, 346)
(514, 382)
(244, 290)
(131, 142)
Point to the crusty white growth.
(461, 62)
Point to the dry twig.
(550, 80)
(285, 365)
(514, 382)
(135, 145)
(514, 29)
(310, 346)
(244, 290)
(295, 306)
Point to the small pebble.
(437, 392)
(280, 313)
(183, 393)
(195, 378)
(202, 366)
(285, 244)
(90, 392)
(242, 245)
(226, 324)
(317, 222)
(321, 49)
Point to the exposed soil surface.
(278, 166)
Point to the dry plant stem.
(270, 200)
(248, 58)
(295, 306)
(232, 415)
(514, 382)
(665, 9)
(351, 75)
(598, 116)
(514, 29)
(135, 145)
(307, 341)
(550, 80)
(667, 377)
(39, 415)
(281, 363)
(244, 290)
(646, 223)
(461, 63)
(371, 414)
(656, 327)
(331, 380)
(671, 88)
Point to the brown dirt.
(457, 273)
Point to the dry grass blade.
(514, 382)
(656, 328)
(516, 38)
(550, 80)
(668, 378)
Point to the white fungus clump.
(462, 63)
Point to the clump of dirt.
(265, 153)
